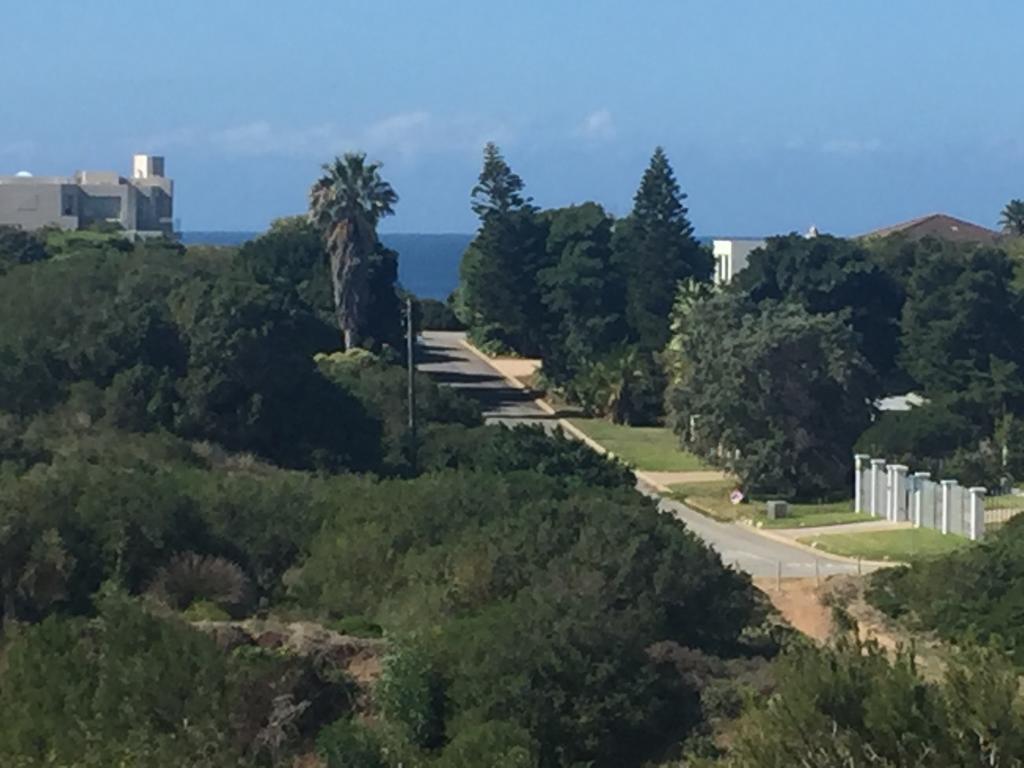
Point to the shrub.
(189, 579)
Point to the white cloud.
(597, 126)
(851, 146)
(406, 134)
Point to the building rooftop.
(941, 226)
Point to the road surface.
(443, 356)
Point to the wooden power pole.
(410, 353)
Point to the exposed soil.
(800, 604)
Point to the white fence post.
(920, 478)
(947, 492)
(858, 481)
(877, 467)
(977, 520)
(899, 493)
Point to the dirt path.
(800, 605)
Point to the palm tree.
(346, 203)
(1012, 219)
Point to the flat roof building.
(143, 204)
(731, 255)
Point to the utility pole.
(410, 353)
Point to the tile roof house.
(940, 226)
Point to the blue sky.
(846, 114)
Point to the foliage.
(410, 694)
(168, 343)
(545, 600)
(972, 593)
(655, 249)
(434, 315)
(582, 289)
(511, 449)
(499, 298)
(778, 396)
(124, 687)
(962, 324)
(851, 706)
(828, 275)
(346, 203)
(346, 744)
(1011, 219)
(19, 247)
(189, 578)
(382, 388)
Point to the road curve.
(443, 356)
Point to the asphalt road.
(442, 355)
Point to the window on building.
(69, 206)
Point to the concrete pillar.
(947, 488)
(858, 481)
(897, 492)
(977, 521)
(877, 468)
(920, 478)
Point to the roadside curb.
(513, 382)
(769, 534)
(664, 491)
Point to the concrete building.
(142, 205)
(731, 256)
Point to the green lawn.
(655, 449)
(903, 544)
(713, 500)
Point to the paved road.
(442, 356)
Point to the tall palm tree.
(1012, 219)
(346, 203)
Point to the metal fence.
(888, 491)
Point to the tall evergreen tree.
(582, 290)
(499, 295)
(656, 249)
(499, 189)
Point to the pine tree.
(499, 293)
(498, 191)
(656, 249)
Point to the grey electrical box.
(777, 509)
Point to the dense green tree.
(830, 275)
(582, 290)
(500, 299)
(655, 249)
(773, 393)
(19, 247)
(1012, 218)
(346, 203)
(962, 325)
(291, 258)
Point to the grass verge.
(713, 500)
(655, 449)
(902, 544)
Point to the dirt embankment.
(359, 657)
(808, 607)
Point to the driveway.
(443, 356)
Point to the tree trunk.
(350, 258)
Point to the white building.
(731, 256)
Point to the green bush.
(852, 706)
(974, 593)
